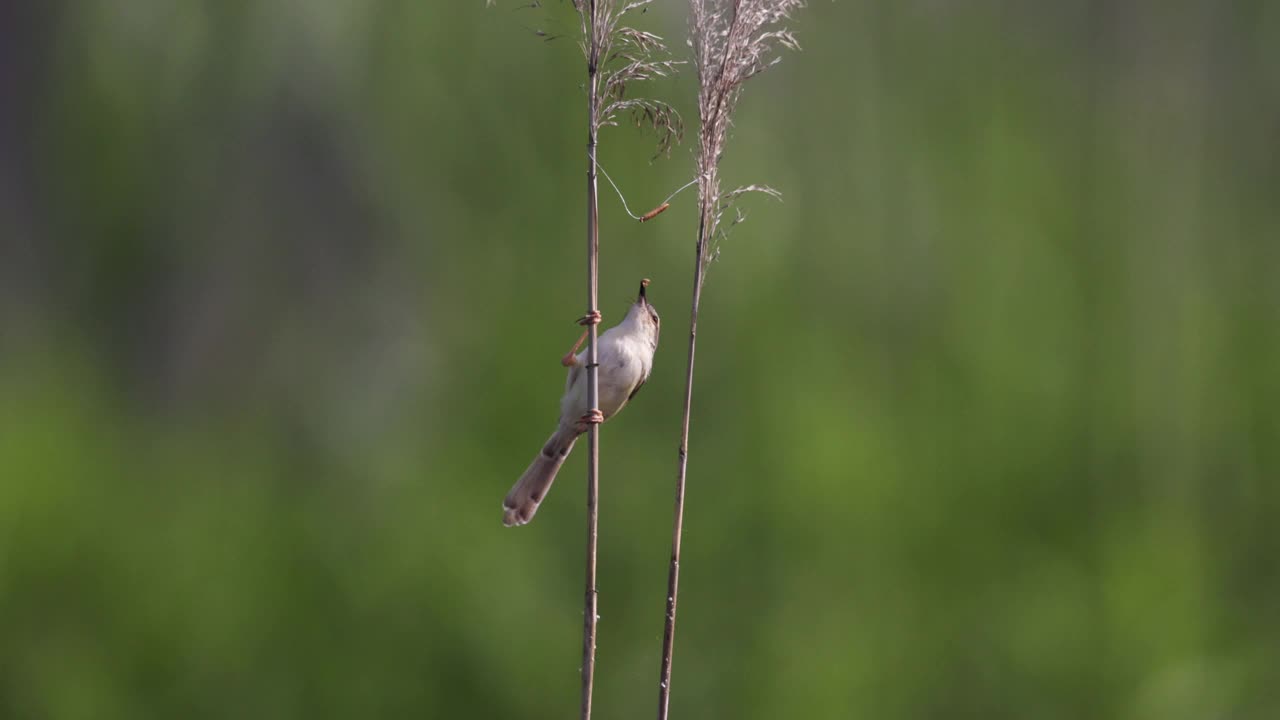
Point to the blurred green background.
(986, 422)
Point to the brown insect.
(654, 212)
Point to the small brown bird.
(625, 354)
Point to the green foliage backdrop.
(986, 420)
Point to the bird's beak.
(643, 284)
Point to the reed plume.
(732, 41)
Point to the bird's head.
(644, 316)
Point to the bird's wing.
(575, 373)
(636, 389)
(643, 379)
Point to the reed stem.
(590, 601)
(677, 528)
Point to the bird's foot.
(593, 417)
(591, 318)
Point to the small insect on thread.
(654, 212)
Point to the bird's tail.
(522, 502)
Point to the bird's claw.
(589, 319)
(593, 417)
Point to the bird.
(625, 359)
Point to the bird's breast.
(622, 367)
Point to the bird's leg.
(590, 318)
(571, 359)
(593, 417)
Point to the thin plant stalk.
(590, 606)
(677, 529)
(732, 42)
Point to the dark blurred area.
(986, 418)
